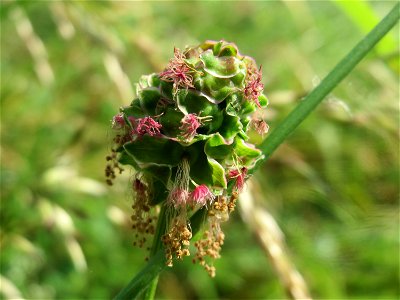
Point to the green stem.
(145, 277)
(157, 245)
(149, 274)
(342, 69)
(146, 281)
(151, 290)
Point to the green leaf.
(239, 79)
(221, 67)
(166, 89)
(238, 106)
(216, 147)
(134, 110)
(171, 121)
(146, 81)
(154, 80)
(126, 159)
(149, 98)
(213, 88)
(247, 107)
(217, 48)
(230, 127)
(160, 151)
(159, 193)
(263, 100)
(228, 50)
(244, 149)
(193, 102)
(194, 151)
(190, 101)
(161, 173)
(218, 173)
(249, 155)
(208, 171)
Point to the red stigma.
(190, 123)
(201, 195)
(254, 87)
(177, 71)
(147, 126)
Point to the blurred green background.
(333, 187)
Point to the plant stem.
(149, 274)
(151, 290)
(146, 281)
(157, 245)
(142, 280)
(342, 69)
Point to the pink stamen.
(201, 195)
(254, 87)
(118, 122)
(260, 126)
(178, 197)
(240, 177)
(190, 123)
(177, 71)
(147, 126)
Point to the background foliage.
(333, 187)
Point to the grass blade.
(342, 69)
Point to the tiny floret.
(118, 121)
(201, 195)
(254, 88)
(178, 72)
(147, 126)
(239, 176)
(190, 123)
(260, 126)
(178, 197)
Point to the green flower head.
(186, 135)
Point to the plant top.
(186, 135)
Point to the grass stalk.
(146, 281)
(157, 246)
(341, 70)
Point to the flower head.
(253, 88)
(177, 71)
(147, 126)
(201, 195)
(184, 133)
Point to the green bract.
(185, 134)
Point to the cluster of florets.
(186, 135)
(178, 71)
